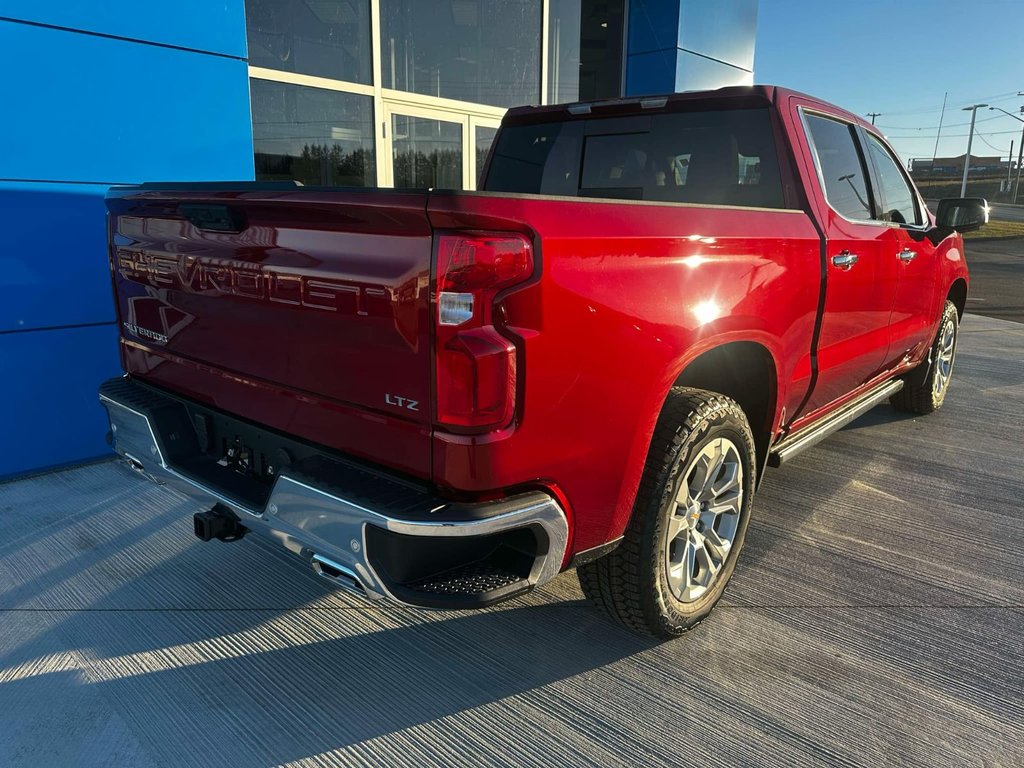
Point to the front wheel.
(929, 395)
(680, 547)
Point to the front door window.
(900, 202)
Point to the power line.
(994, 98)
(933, 127)
(949, 135)
(982, 137)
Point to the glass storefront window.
(584, 49)
(563, 51)
(316, 136)
(325, 38)
(601, 25)
(483, 51)
(427, 153)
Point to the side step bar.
(815, 433)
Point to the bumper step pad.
(471, 579)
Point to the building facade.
(409, 94)
(336, 92)
(954, 166)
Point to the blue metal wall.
(682, 45)
(95, 93)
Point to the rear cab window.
(715, 157)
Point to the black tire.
(929, 395)
(631, 584)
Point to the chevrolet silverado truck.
(447, 398)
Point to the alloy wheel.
(704, 520)
(944, 357)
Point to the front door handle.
(845, 260)
(906, 255)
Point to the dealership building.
(405, 93)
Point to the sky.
(899, 58)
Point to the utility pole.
(1009, 166)
(973, 109)
(873, 115)
(1020, 150)
(1020, 159)
(1020, 156)
(942, 114)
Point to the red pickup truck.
(447, 398)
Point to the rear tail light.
(476, 364)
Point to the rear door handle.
(845, 260)
(906, 255)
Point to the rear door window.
(841, 167)
(723, 157)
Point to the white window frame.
(430, 113)
(387, 101)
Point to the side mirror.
(963, 214)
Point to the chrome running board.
(793, 444)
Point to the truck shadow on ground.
(877, 416)
(349, 675)
(795, 502)
(119, 607)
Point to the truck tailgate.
(241, 295)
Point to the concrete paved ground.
(997, 278)
(876, 618)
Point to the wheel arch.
(746, 372)
(958, 295)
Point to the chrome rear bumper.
(337, 535)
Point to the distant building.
(952, 166)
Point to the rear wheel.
(929, 395)
(688, 524)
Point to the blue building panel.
(651, 72)
(53, 266)
(95, 109)
(215, 26)
(681, 45)
(724, 30)
(52, 414)
(87, 109)
(653, 25)
(694, 73)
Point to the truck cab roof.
(738, 95)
